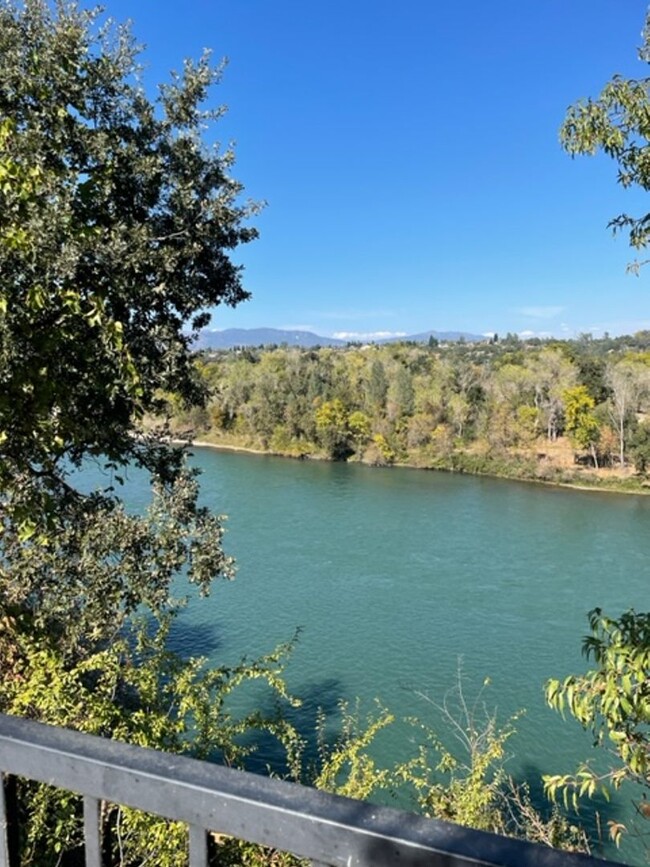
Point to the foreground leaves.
(612, 701)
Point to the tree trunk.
(621, 438)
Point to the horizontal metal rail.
(327, 829)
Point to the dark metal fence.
(324, 828)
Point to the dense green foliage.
(552, 410)
(134, 689)
(115, 224)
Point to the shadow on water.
(320, 701)
(189, 638)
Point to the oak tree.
(116, 228)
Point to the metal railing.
(324, 828)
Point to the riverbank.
(521, 468)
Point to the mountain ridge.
(231, 338)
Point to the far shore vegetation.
(573, 412)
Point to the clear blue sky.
(409, 156)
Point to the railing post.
(92, 834)
(4, 836)
(8, 827)
(198, 846)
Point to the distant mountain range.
(230, 338)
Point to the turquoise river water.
(395, 575)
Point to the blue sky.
(409, 156)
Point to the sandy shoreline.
(203, 444)
(223, 447)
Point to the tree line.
(497, 406)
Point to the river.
(396, 575)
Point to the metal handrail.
(328, 829)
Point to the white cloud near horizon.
(541, 334)
(367, 335)
(541, 311)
